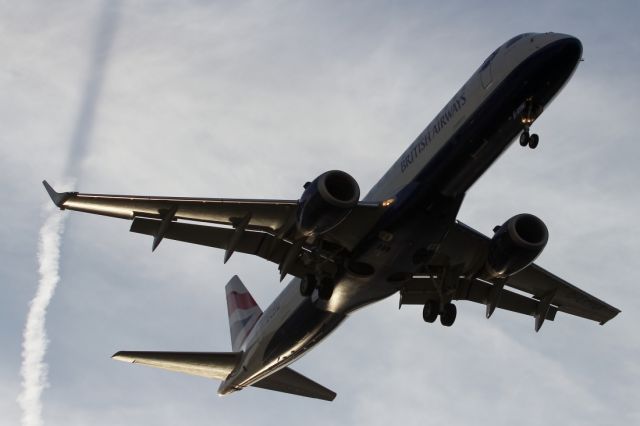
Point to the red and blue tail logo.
(243, 310)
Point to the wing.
(467, 250)
(267, 215)
(218, 365)
(261, 227)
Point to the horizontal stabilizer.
(289, 381)
(213, 365)
(218, 365)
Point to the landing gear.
(325, 292)
(448, 315)
(529, 111)
(430, 311)
(307, 285)
(326, 289)
(532, 140)
(310, 283)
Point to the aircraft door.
(486, 75)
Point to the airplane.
(402, 237)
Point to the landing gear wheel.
(524, 138)
(430, 311)
(448, 315)
(533, 141)
(307, 285)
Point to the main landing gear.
(432, 310)
(310, 283)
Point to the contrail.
(34, 346)
(100, 53)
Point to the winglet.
(58, 198)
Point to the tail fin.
(244, 312)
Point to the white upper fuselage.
(447, 157)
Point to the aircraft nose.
(560, 55)
(567, 48)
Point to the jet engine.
(326, 202)
(515, 245)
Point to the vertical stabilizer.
(244, 312)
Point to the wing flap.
(418, 292)
(212, 365)
(252, 242)
(567, 298)
(289, 381)
(478, 291)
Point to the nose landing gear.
(528, 115)
(531, 140)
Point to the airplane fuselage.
(424, 188)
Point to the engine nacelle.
(326, 202)
(515, 245)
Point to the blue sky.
(253, 99)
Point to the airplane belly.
(305, 327)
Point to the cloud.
(107, 21)
(251, 100)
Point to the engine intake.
(326, 202)
(515, 245)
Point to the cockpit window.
(487, 61)
(516, 38)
